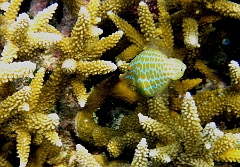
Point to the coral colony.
(119, 83)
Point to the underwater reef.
(119, 83)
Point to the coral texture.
(78, 89)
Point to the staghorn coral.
(32, 35)
(159, 155)
(20, 106)
(200, 146)
(81, 52)
(143, 72)
(195, 145)
(14, 70)
(140, 43)
(151, 33)
(190, 32)
(141, 154)
(179, 129)
(27, 111)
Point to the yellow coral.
(186, 85)
(104, 44)
(31, 37)
(17, 32)
(102, 135)
(50, 92)
(99, 93)
(80, 92)
(41, 124)
(44, 152)
(36, 123)
(146, 22)
(231, 155)
(201, 66)
(83, 43)
(128, 53)
(226, 8)
(190, 33)
(9, 52)
(85, 125)
(12, 11)
(123, 66)
(95, 67)
(132, 33)
(156, 128)
(211, 133)
(163, 154)
(151, 32)
(9, 72)
(4, 162)
(93, 7)
(131, 139)
(84, 158)
(141, 154)
(234, 72)
(81, 30)
(13, 104)
(81, 52)
(208, 19)
(40, 21)
(164, 28)
(226, 142)
(115, 146)
(36, 86)
(121, 90)
(23, 146)
(181, 87)
(130, 124)
(191, 124)
(185, 141)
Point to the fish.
(151, 72)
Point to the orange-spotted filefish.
(151, 71)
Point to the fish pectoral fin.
(129, 77)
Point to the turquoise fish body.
(151, 71)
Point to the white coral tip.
(27, 88)
(120, 32)
(112, 65)
(53, 116)
(69, 66)
(109, 12)
(59, 143)
(4, 6)
(143, 142)
(142, 118)
(188, 95)
(142, 3)
(54, 5)
(82, 103)
(79, 147)
(23, 164)
(234, 63)
(167, 158)
(85, 12)
(120, 63)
